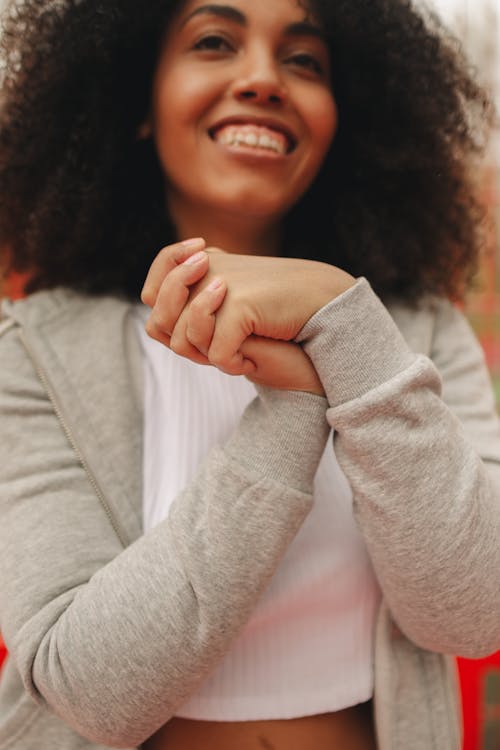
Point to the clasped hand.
(239, 312)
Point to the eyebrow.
(301, 28)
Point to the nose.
(259, 81)
(259, 93)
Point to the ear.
(145, 130)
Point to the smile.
(254, 137)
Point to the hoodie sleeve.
(114, 640)
(418, 439)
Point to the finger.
(180, 344)
(268, 356)
(281, 364)
(201, 315)
(185, 350)
(156, 334)
(175, 290)
(166, 260)
(237, 364)
(232, 364)
(224, 351)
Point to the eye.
(213, 43)
(308, 62)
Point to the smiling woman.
(280, 549)
(233, 77)
(85, 184)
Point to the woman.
(167, 579)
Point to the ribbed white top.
(307, 648)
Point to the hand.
(278, 364)
(269, 297)
(281, 364)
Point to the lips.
(255, 133)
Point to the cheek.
(324, 121)
(180, 98)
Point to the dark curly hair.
(83, 199)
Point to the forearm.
(114, 640)
(427, 503)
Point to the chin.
(258, 206)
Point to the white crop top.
(307, 649)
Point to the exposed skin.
(240, 68)
(215, 69)
(239, 316)
(83, 202)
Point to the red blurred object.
(14, 285)
(480, 685)
(13, 288)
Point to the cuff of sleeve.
(282, 436)
(354, 344)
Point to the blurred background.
(477, 24)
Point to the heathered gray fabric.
(404, 450)
(111, 630)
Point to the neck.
(241, 235)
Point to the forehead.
(280, 11)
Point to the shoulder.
(61, 317)
(434, 326)
(440, 330)
(41, 308)
(61, 330)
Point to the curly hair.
(83, 199)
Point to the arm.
(256, 299)
(114, 640)
(424, 468)
(425, 484)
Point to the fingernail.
(195, 258)
(193, 242)
(214, 285)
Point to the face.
(243, 112)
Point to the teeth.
(233, 136)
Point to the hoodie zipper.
(67, 431)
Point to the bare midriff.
(349, 729)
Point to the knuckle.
(230, 370)
(219, 360)
(184, 274)
(168, 258)
(147, 296)
(197, 339)
(180, 345)
(197, 306)
(174, 276)
(173, 248)
(193, 334)
(175, 345)
(151, 328)
(161, 323)
(200, 325)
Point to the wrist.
(354, 345)
(282, 436)
(329, 282)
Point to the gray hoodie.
(110, 630)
